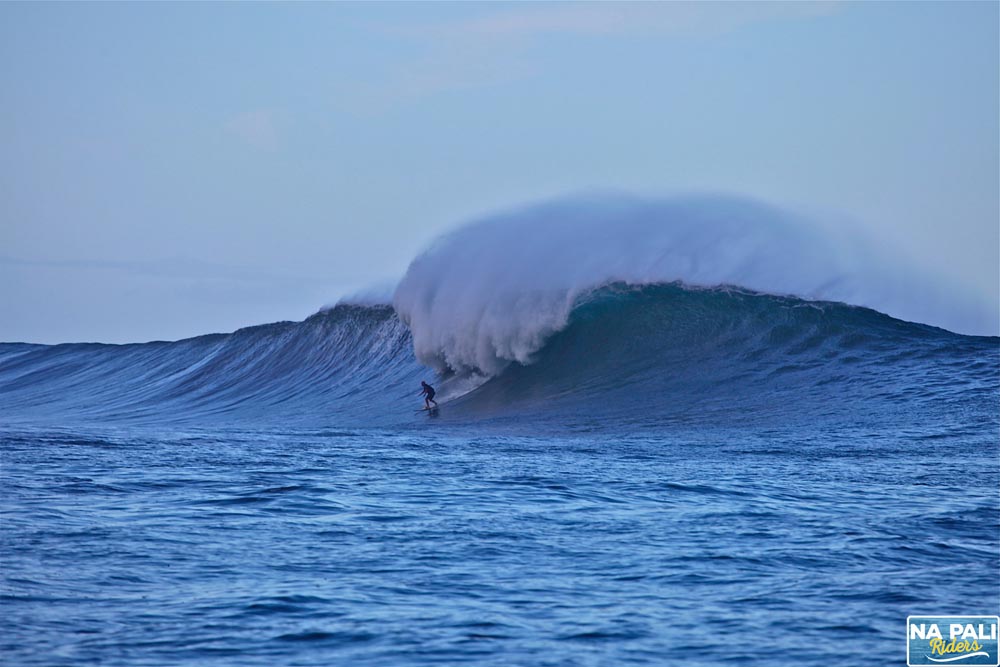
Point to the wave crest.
(494, 291)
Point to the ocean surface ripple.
(420, 548)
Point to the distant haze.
(170, 170)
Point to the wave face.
(628, 356)
(668, 354)
(328, 367)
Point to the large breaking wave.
(618, 311)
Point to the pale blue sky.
(176, 169)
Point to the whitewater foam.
(494, 291)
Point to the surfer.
(428, 391)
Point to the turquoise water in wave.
(435, 545)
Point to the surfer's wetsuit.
(428, 391)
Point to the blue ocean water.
(677, 476)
